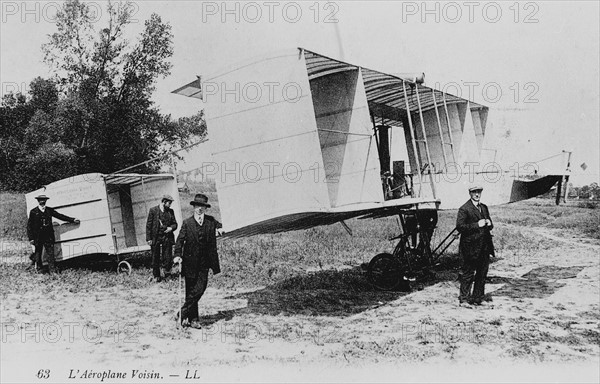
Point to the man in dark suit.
(474, 224)
(196, 249)
(41, 232)
(159, 234)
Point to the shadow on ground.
(336, 293)
(324, 293)
(538, 283)
(347, 292)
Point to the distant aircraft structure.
(113, 209)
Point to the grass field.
(264, 260)
(307, 290)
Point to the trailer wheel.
(384, 272)
(124, 267)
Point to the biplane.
(318, 148)
(302, 140)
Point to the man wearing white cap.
(41, 232)
(474, 224)
(159, 234)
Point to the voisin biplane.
(302, 140)
(317, 147)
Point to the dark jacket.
(197, 246)
(39, 224)
(474, 241)
(154, 227)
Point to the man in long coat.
(41, 232)
(474, 224)
(159, 234)
(196, 249)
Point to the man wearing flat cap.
(159, 234)
(41, 232)
(196, 249)
(474, 224)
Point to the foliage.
(95, 114)
(591, 191)
(13, 218)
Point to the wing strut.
(346, 227)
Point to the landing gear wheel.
(409, 262)
(415, 264)
(384, 272)
(124, 267)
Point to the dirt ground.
(542, 326)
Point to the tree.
(594, 191)
(108, 115)
(96, 113)
(44, 95)
(15, 114)
(584, 192)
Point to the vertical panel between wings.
(360, 180)
(262, 123)
(433, 138)
(333, 103)
(476, 118)
(469, 151)
(456, 127)
(346, 138)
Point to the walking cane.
(179, 293)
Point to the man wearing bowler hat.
(474, 224)
(41, 232)
(159, 234)
(196, 249)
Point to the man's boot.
(31, 265)
(51, 265)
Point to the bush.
(588, 204)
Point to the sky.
(535, 64)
